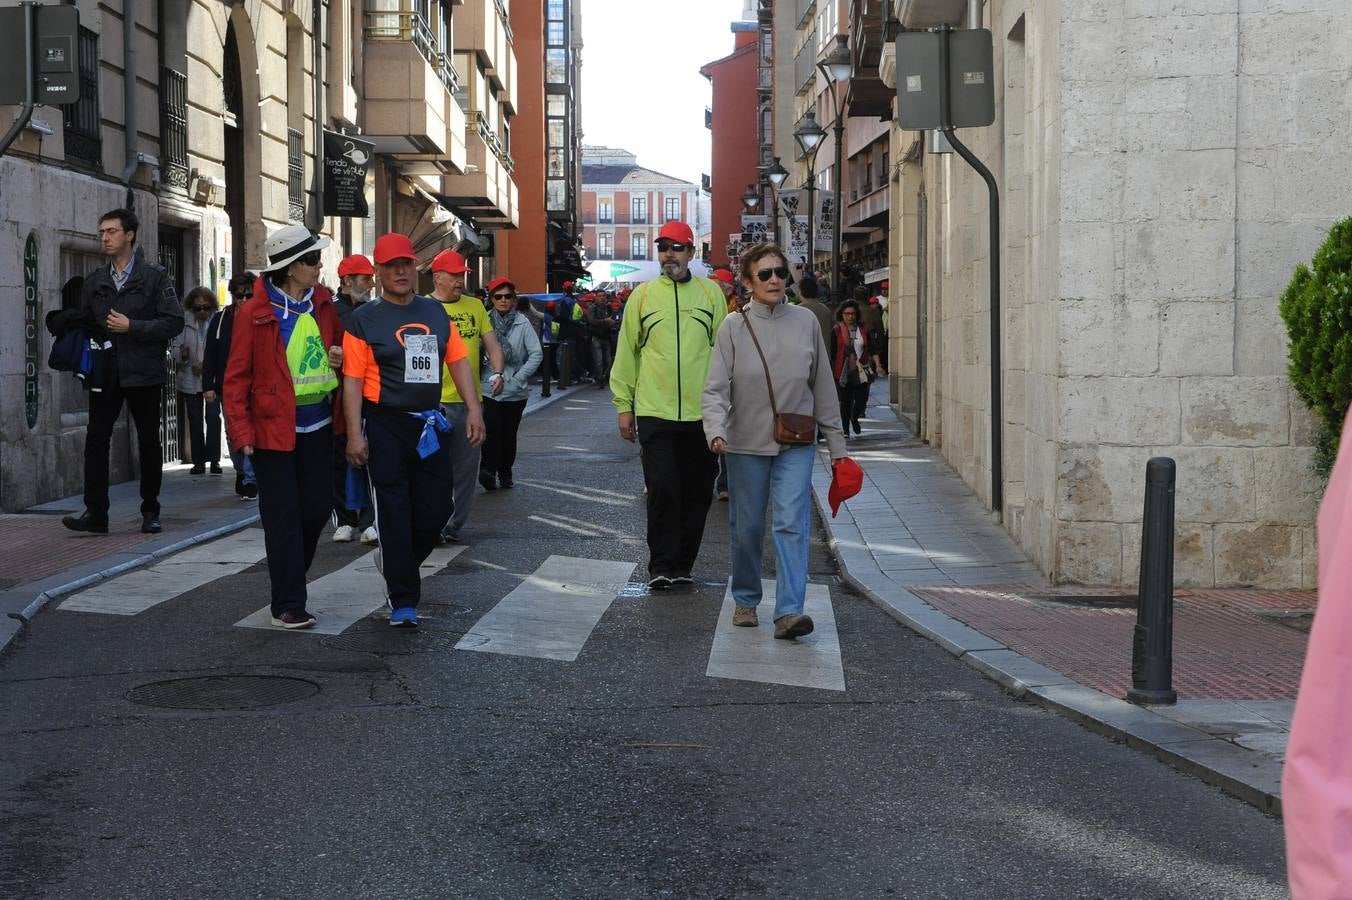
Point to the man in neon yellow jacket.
(661, 363)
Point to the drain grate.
(223, 692)
(1086, 601)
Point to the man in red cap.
(356, 279)
(470, 319)
(396, 356)
(661, 363)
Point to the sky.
(641, 86)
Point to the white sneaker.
(344, 534)
(370, 536)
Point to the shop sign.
(346, 161)
(32, 333)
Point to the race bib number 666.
(421, 359)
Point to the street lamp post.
(837, 67)
(775, 173)
(809, 137)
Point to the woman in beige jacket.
(739, 425)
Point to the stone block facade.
(1164, 167)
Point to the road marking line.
(142, 589)
(753, 654)
(342, 598)
(551, 614)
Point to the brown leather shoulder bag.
(792, 429)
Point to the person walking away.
(131, 308)
(809, 294)
(740, 412)
(395, 357)
(188, 351)
(521, 355)
(661, 362)
(280, 387)
(601, 319)
(855, 363)
(471, 323)
(220, 331)
(549, 334)
(353, 514)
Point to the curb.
(1244, 774)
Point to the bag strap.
(761, 353)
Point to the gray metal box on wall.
(56, 64)
(971, 79)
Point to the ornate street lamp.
(751, 200)
(837, 67)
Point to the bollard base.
(1152, 698)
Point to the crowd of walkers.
(378, 408)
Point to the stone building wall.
(1163, 166)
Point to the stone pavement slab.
(918, 542)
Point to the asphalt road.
(411, 769)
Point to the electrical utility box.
(55, 63)
(970, 80)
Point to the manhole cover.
(1087, 601)
(223, 692)
(395, 641)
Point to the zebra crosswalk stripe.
(142, 589)
(350, 594)
(753, 654)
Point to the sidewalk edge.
(25, 617)
(1025, 679)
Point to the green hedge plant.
(1317, 309)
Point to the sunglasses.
(780, 272)
(504, 296)
(667, 246)
(310, 259)
(201, 309)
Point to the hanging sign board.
(970, 80)
(32, 334)
(346, 161)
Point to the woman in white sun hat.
(280, 393)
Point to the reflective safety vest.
(308, 359)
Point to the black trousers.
(360, 519)
(546, 368)
(293, 502)
(853, 402)
(104, 408)
(411, 495)
(205, 442)
(502, 419)
(679, 469)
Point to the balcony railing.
(174, 127)
(83, 132)
(806, 10)
(503, 18)
(407, 25)
(805, 64)
(490, 137)
(295, 175)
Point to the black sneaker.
(659, 582)
(150, 523)
(250, 492)
(294, 618)
(488, 480)
(505, 482)
(216, 469)
(198, 470)
(87, 521)
(682, 579)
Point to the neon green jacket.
(666, 339)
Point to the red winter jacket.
(260, 401)
(842, 348)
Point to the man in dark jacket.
(134, 309)
(219, 331)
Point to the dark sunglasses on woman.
(780, 272)
(310, 259)
(197, 308)
(504, 296)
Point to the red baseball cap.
(393, 246)
(356, 264)
(450, 261)
(722, 275)
(678, 232)
(497, 283)
(847, 479)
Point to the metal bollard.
(1152, 648)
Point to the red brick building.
(734, 121)
(624, 205)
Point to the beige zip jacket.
(736, 402)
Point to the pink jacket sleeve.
(1317, 780)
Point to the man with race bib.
(396, 357)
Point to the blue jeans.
(784, 483)
(243, 464)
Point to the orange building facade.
(735, 127)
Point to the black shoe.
(198, 470)
(682, 579)
(86, 522)
(250, 492)
(857, 429)
(150, 523)
(659, 582)
(505, 482)
(216, 469)
(488, 480)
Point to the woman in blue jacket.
(521, 355)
